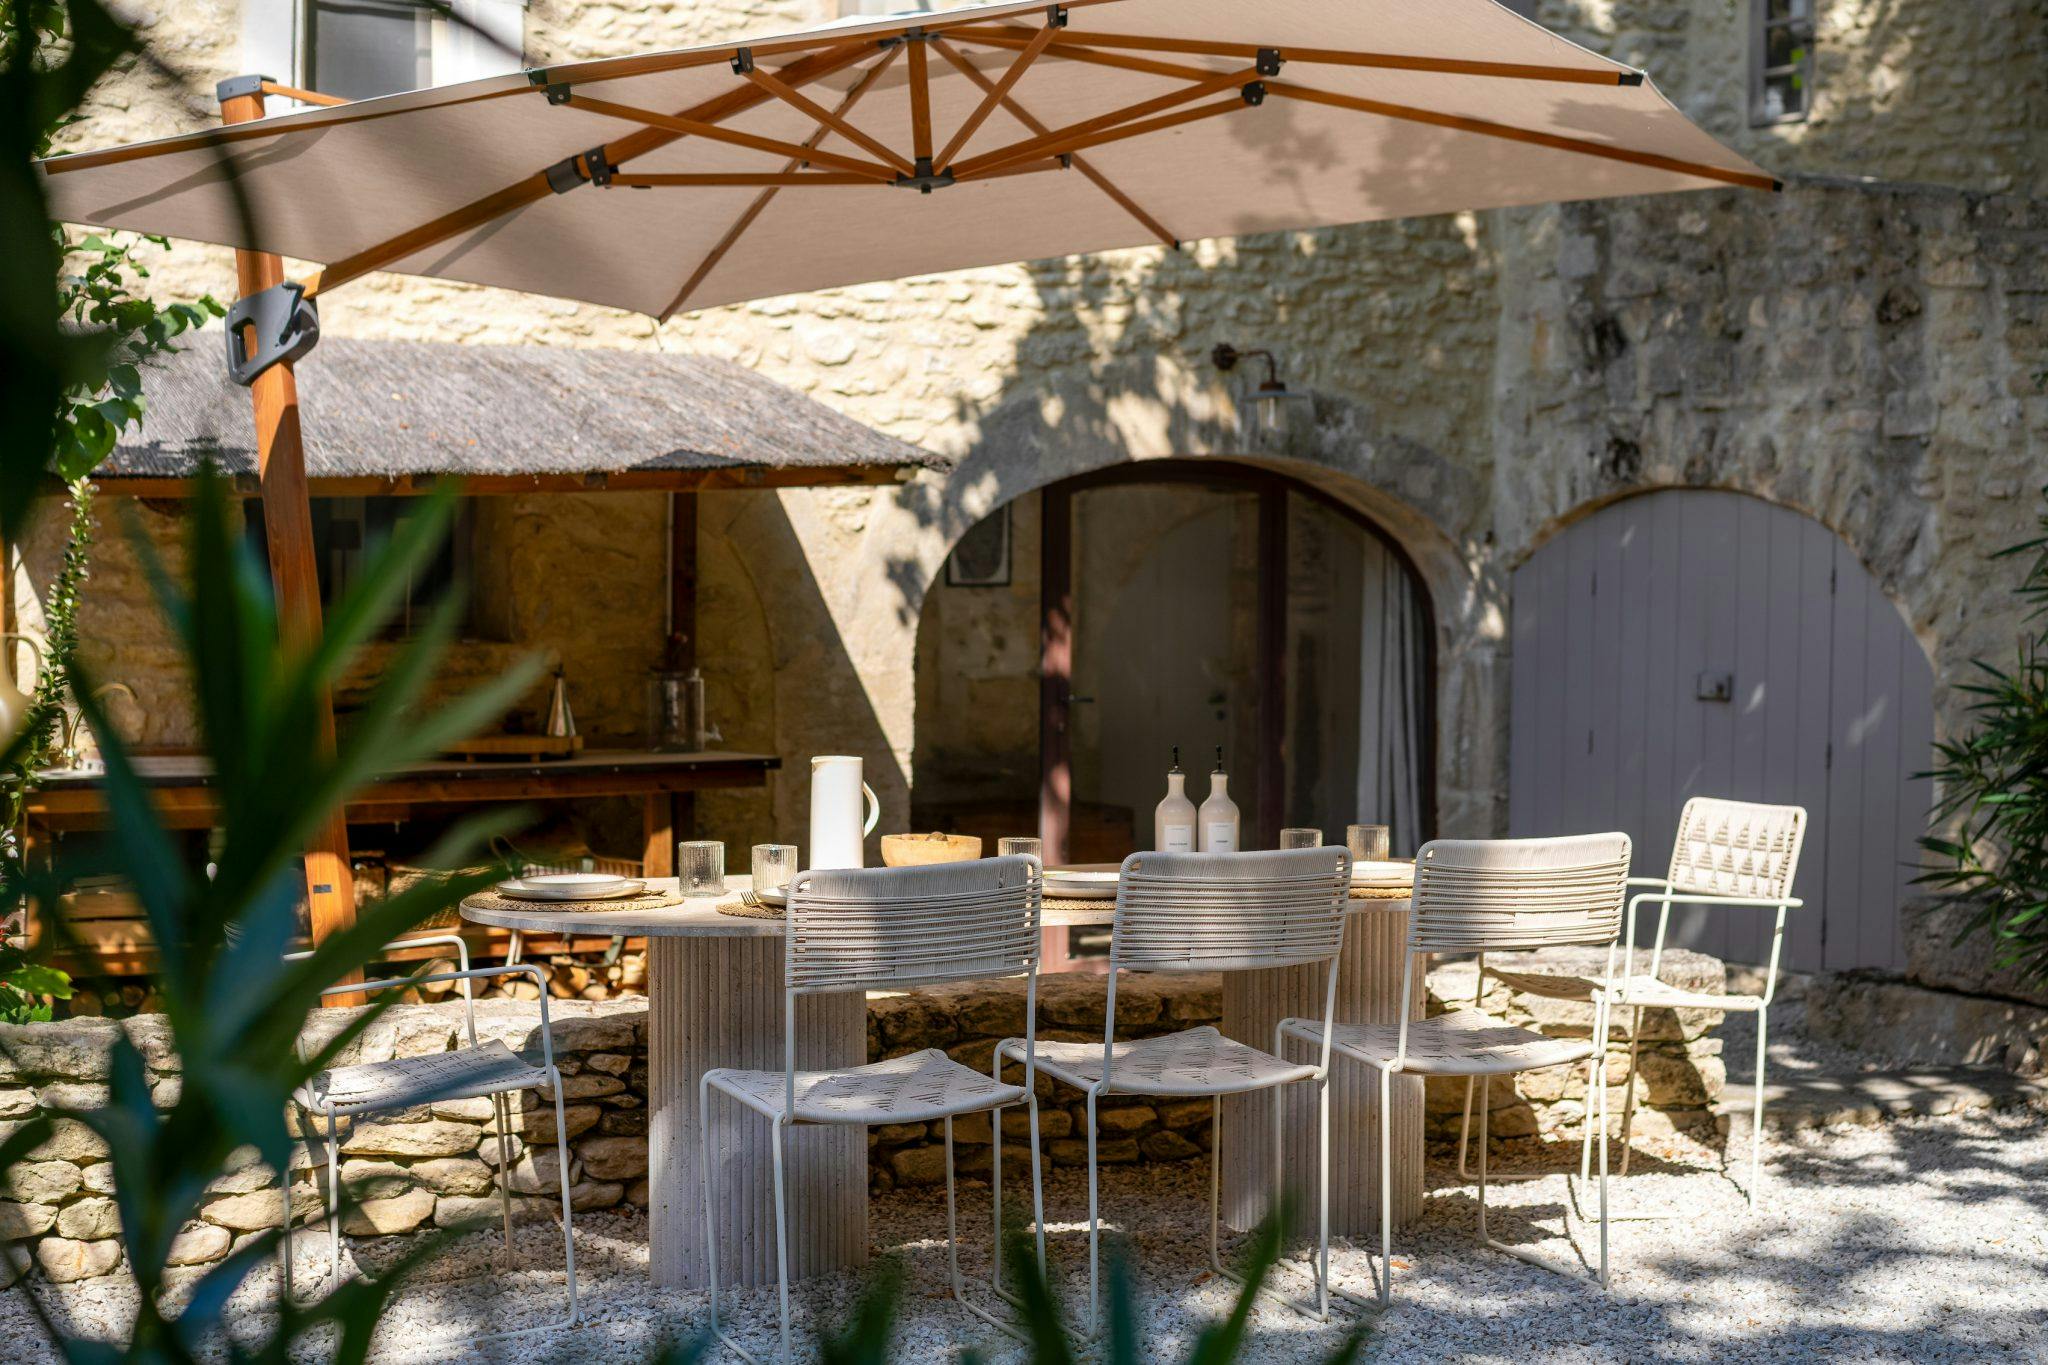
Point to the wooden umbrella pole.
(288, 525)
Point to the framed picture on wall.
(982, 558)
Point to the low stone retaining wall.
(439, 1164)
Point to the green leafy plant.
(1994, 792)
(235, 1009)
(72, 358)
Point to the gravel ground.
(1918, 1240)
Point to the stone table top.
(698, 916)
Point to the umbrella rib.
(1486, 128)
(829, 119)
(1118, 134)
(1056, 142)
(689, 127)
(1316, 56)
(994, 96)
(535, 187)
(735, 179)
(761, 200)
(1024, 116)
(920, 103)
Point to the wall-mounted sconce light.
(1270, 399)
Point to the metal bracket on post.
(234, 87)
(280, 323)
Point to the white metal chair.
(1728, 854)
(1480, 896)
(480, 1069)
(888, 928)
(1205, 912)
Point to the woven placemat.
(1381, 893)
(746, 907)
(644, 900)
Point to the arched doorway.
(1084, 629)
(1698, 642)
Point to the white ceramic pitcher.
(837, 829)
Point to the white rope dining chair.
(893, 928)
(482, 1069)
(1480, 896)
(1727, 855)
(1205, 912)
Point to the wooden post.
(288, 525)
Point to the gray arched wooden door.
(1695, 642)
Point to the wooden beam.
(993, 95)
(830, 119)
(1017, 111)
(293, 92)
(1124, 131)
(712, 132)
(535, 187)
(1065, 39)
(920, 100)
(1074, 135)
(288, 528)
(656, 180)
(726, 477)
(1484, 128)
(761, 201)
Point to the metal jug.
(837, 829)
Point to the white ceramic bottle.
(1217, 821)
(1173, 820)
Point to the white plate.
(1376, 873)
(570, 886)
(1083, 881)
(774, 895)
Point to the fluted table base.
(1368, 991)
(717, 1002)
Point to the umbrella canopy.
(874, 148)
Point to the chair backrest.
(1737, 848)
(1227, 912)
(1502, 895)
(885, 927)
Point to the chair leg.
(501, 1109)
(1485, 1105)
(1095, 1226)
(1037, 1181)
(952, 1227)
(333, 1205)
(1628, 1100)
(1216, 1181)
(995, 1192)
(1756, 1114)
(568, 1221)
(1387, 1185)
(781, 1241)
(710, 1201)
(1322, 1196)
(1604, 1103)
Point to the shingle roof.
(398, 410)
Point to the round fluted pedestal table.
(714, 999)
(1368, 992)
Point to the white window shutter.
(270, 40)
(486, 38)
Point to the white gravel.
(1920, 1240)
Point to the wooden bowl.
(920, 850)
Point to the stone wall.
(439, 1165)
(1868, 353)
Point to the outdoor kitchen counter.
(715, 999)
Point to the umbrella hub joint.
(1254, 93)
(1269, 61)
(591, 167)
(924, 181)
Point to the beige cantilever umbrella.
(870, 149)
(794, 162)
